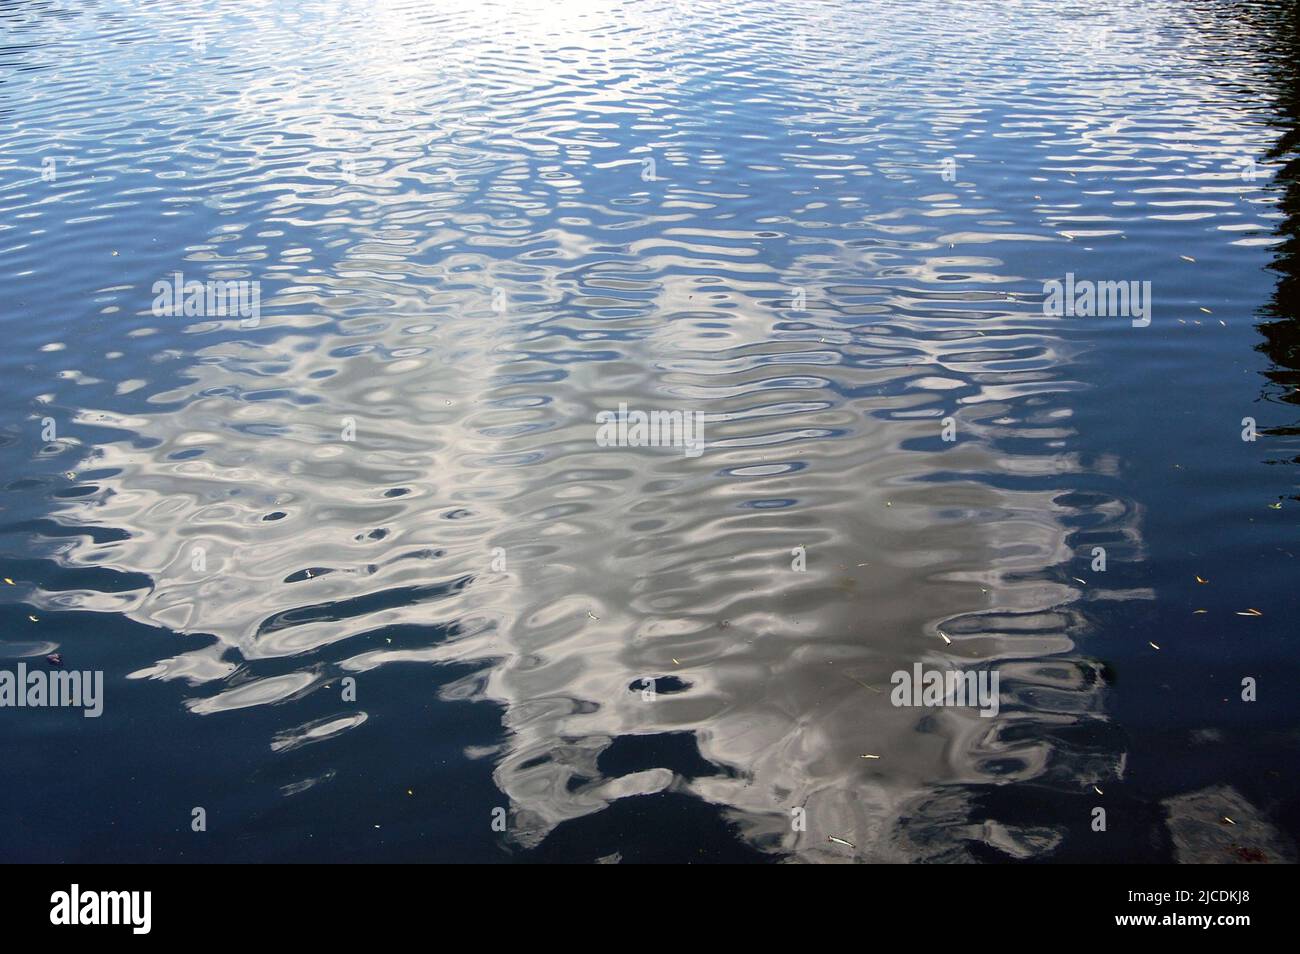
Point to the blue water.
(364, 584)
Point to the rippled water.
(826, 228)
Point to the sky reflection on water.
(475, 229)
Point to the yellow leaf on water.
(1199, 580)
(9, 581)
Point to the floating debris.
(1152, 645)
(1199, 580)
(841, 841)
(863, 685)
(1276, 506)
(1194, 612)
(870, 756)
(945, 637)
(9, 581)
(1097, 790)
(589, 616)
(1250, 611)
(1229, 820)
(54, 659)
(32, 618)
(1187, 258)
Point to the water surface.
(827, 228)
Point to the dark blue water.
(364, 584)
